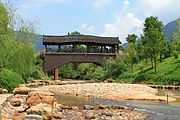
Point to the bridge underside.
(55, 60)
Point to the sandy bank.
(111, 91)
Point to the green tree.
(131, 39)
(176, 41)
(74, 33)
(16, 36)
(153, 38)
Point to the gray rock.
(103, 106)
(88, 107)
(33, 117)
(3, 91)
(66, 107)
(59, 109)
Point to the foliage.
(9, 80)
(131, 38)
(132, 53)
(74, 33)
(153, 39)
(17, 49)
(115, 67)
(168, 73)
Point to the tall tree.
(153, 38)
(131, 39)
(16, 36)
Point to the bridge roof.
(85, 39)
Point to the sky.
(116, 18)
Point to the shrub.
(175, 55)
(9, 80)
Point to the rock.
(36, 97)
(90, 116)
(33, 117)
(59, 109)
(57, 115)
(88, 107)
(3, 91)
(118, 107)
(66, 107)
(23, 108)
(21, 90)
(103, 106)
(42, 109)
(19, 96)
(40, 93)
(15, 102)
(16, 116)
(75, 108)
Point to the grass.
(168, 73)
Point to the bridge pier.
(56, 74)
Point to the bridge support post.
(55, 73)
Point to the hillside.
(168, 73)
(169, 29)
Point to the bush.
(175, 55)
(9, 80)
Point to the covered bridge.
(61, 50)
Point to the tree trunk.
(152, 61)
(160, 57)
(155, 64)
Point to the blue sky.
(96, 17)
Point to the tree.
(131, 39)
(74, 33)
(16, 46)
(153, 38)
(176, 38)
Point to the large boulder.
(16, 116)
(37, 97)
(46, 110)
(3, 91)
(21, 90)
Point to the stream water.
(155, 110)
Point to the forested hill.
(169, 29)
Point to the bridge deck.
(54, 60)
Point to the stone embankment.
(33, 103)
(111, 91)
(165, 87)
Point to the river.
(155, 110)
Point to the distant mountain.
(170, 29)
(39, 43)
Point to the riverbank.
(32, 103)
(109, 91)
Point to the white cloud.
(101, 3)
(126, 3)
(161, 8)
(87, 28)
(122, 26)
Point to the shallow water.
(156, 111)
(74, 100)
